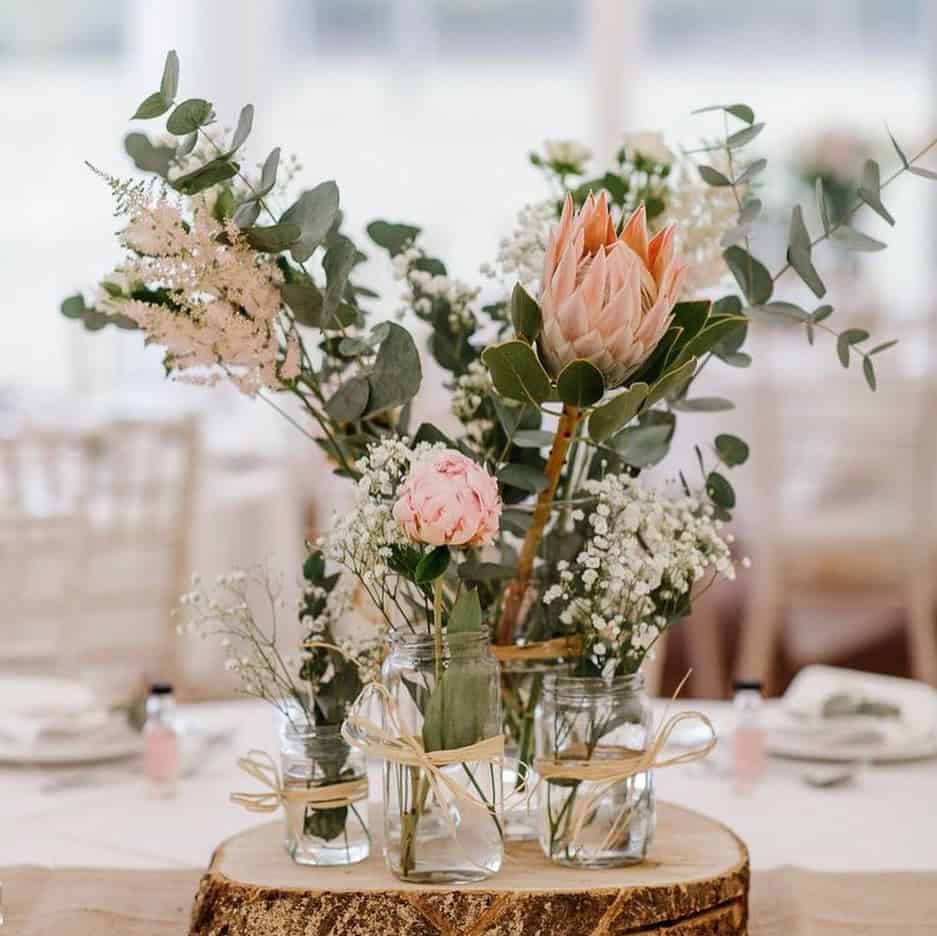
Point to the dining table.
(87, 850)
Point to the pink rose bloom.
(606, 297)
(448, 500)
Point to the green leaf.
(154, 106)
(247, 214)
(720, 491)
(884, 346)
(821, 313)
(525, 477)
(751, 275)
(474, 571)
(186, 144)
(751, 209)
(218, 170)
(846, 339)
(744, 136)
(268, 174)
(718, 329)
(397, 373)
(169, 83)
(517, 373)
(742, 111)
(643, 446)
(274, 238)
(713, 177)
(922, 173)
(798, 253)
(731, 449)
(466, 614)
(868, 371)
(338, 262)
(515, 521)
(894, 142)
(703, 405)
(580, 384)
(394, 238)
(852, 239)
(74, 307)
(305, 301)
(189, 116)
(532, 438)
(525, 314)
(672, 382)
(147, 157)
(350, 401)
(432, 565)
(243, 129)
(870, 190)
(786, 309)
(751, 170)
(617, 412)
(315, 212)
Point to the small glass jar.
(460, 839)
(315, 757)
(749, 757)
(595, 823)
(161, 741)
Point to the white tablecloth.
(885, 821)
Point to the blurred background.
(424, 111)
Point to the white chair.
(105, 516)
(843, 504)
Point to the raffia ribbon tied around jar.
(554, 649)
(609, 765)
(396, 745)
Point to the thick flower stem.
(514, 598)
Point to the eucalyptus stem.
(517, 590)
(437, 627)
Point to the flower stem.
(437, 627)
(517, 589)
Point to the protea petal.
(634, 233)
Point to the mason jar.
(443, 831)
(319, 832)
(600, 821)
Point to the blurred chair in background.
(845, 495)
(94, 537)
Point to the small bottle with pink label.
(160, 741)
(749, 754)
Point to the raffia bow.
(261, 766)
(396, 745)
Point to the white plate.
(73, 752)
(914, 737)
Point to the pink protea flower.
(606, 298)
(448, 500)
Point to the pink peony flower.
(606, 298)
(448, 500)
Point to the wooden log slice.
(694, 883)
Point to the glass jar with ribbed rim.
(591, 733)
(325, 784)
(445, 827)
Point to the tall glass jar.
(584, 822)
(314, 758)
(434, 833)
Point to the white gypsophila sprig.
(423, 288)
(363, 538)
(521, 254)
(468, 394)
(644, 553)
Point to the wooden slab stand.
(694, 883)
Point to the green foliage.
(315, 212)
(153, 106)
(720, 491)
(526, 477)
(243, 129)
(93, 319)
(845, 341)
(466, 614)
(617, 412)
(852, 239)
(189, 116)
(148, 157)
(397, 372)
(525, 314)
(272, 239)
(672, 383)
(714, 177)
(349, 402)
(751, 275)
(798, 253)
(870, 190)
(213, 172)
(432, 565)
(731, 449)
(517, 373)
(394, 238)
(580, 384)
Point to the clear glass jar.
(749, 756)
(315, 757)
(521, 691)
(455, 841)
(594, 823)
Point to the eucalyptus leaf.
(272, 239)
(894, 142)
(751, 274)
(169, 83)
(884, 346)
(751, 209)
(742, 137)
(870, 190)
(189, 116)
(616, 413)
(868, 371)
(799, 251)
(672, 382)
(305, 301)
(845, 341)
(525, 477)
(148, 157)
(822, 207)
(852, 239)
(515, 521)
(517, 373)
(247, 214)
(350, 401)
(186, 144)
(821, 313)
(712, 176)
(338, 262)
(315, 212)
(703, 405)
(525, 314)
(922, 173)
(742, 111)
(785, 309)
(243, 129)
(731, 449)
(268, 174)
(474, 571)
(720, 491)
(154, 106)
(643, 446)
(751, 170)
(218, 170)
(396, 376)
(394, 238)
(580, 384)
(532, 438)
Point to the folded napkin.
(34, 708)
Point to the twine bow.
(261, 766)
(399, 747)
(539, 650)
